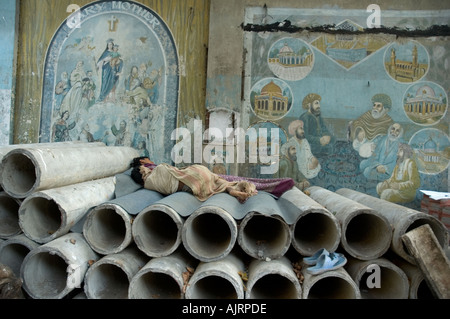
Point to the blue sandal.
(327, 262)
(313, 259)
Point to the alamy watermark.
(263, 148)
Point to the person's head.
(395, 131)
(311, 102)
(136, 175)
(292, 152)
(381, 103)
(404, 151)
(296, 128)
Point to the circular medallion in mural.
(425, 103)
(290, 59)
(406, 62)
(431, 149)
(271, 99)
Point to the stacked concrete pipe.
(209, 233)
(274, 279)
(331, 284)
(156, 230)
(418, 286)
(9, 216)
(264, 237)
(391, 284)
(315, 227)
(14, 250)
(27, 170)
(218, 279)
(53, 270)
(163, 277)
(110, 277)
(402, 220)
(107, 228)
(48, 214)
(366, 234)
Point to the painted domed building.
(271, 103)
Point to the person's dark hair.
(136, 162)
(136, 175)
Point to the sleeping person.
(196, 179)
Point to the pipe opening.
(265, 236)
(391, 285)
(13, 255)
(212, 287)
(154, 285)
(274, 286)
(45, 275)
(9, 216)
(366, 233)
(41, 217)
(107, 281)
(332, 288)
(424, 291)
(208, 235)
(106, 229)
(18, 173)
(156, 232)
(314, 231)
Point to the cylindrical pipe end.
(209, 233)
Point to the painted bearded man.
(401, 187)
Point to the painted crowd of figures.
(76, 93)
(386, 158)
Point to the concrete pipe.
(332, 284)
(314, 227)
(53, 270)
(264, 237)
(163, 277)
(110, 277)
(218, 279)
(378, 278)
(48, 214)
(402, 220)
(274, 279)
(9, 216)
(27, 170)
(107, 228)
(157, 230)
(365, 233)
(418, 286)
(14, 250)
(209, 233)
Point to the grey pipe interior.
(212, 287)
(274, 286)
(208, 234)
(156, 285)
(18, 173)
(367, 234)
(107, 281)
(332, 288)
(105, 230)
(155, 232)
(42, 217)
(45, 275)
(9, 216)
(13, 255)
(314, 231)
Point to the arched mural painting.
(362, 111)
(111, 75)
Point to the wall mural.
(111, 75)
(362, 111)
